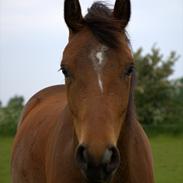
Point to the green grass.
(5, 151)
(167, 150)
(168, 158)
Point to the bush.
(9, 115)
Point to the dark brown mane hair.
(103, 25)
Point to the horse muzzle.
(98, 171)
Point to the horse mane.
(103, 25)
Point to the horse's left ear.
(73, 16)
(122, 11)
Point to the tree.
(9, 115)
(175, 106)
(154, 88)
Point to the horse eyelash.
(129, 70)
(65, 71)
(60, 69)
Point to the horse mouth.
(98, 181)
(97, 175)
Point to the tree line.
(158, 99)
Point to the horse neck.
(136, 158)
(123, 173)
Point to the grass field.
(168, 158)
(167, 150)
(5, 151)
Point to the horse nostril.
(97, 169)
(81, 156)
(111, 159)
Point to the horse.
(86, 131)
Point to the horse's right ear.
(73, 16)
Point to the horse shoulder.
(56, 92)
(37, 122)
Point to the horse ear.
(122, 11)
(73, 16)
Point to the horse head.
(98, 68)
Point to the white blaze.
(100, 83)
(100, 57)
(99, 62)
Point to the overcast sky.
(33, 35)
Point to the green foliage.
(9, 115)
(175, 105)
(159, 101)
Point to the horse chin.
(97, 176)
(98, 181)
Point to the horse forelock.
(104, 26)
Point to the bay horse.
(86, 131)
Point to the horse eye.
(129, 70)
(65, 72)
